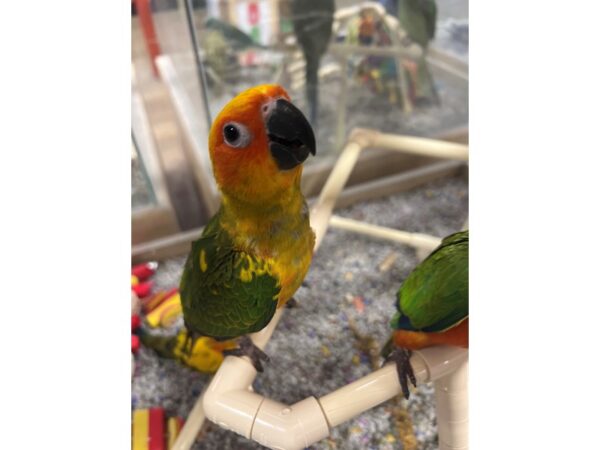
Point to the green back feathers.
(225, 293)
(435, 296)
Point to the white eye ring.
(236, 135)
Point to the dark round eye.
(231, 133)
(236, 135)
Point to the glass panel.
(142, 194)
(247, 42)
(371, 74)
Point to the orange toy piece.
(155, 300)
(166, 313)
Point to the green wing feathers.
(435, 296)
(225, 293)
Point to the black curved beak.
(291, 137)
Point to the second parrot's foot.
(247, 348)
(405, 371)
(291, 303)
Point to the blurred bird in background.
(312, 21)
(418, 19)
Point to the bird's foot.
(190, 340)
(401, 357)
(291, 303)
(247, 348)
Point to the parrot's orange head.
(258, 143)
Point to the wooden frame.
(158, 220)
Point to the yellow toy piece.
(134, 280)
(174, 425)
(140, 424)
(166, 313)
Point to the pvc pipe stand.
(452, 409)
(230, 402)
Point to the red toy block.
(156, 432)
(135, 322)
(143, 289)
(135, 343)
(144, 271)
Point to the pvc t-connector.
(440, 360)
(452, 407)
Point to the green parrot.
(237, 39)
(418, 18)
(255, 252)
(432, 305)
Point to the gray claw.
(405, 371)
(247, 348)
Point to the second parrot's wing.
(435, 296)
(225, 292)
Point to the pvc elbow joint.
(440, 360)
(283, 427)
(230, 404)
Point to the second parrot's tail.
(312, 87)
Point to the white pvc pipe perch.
(230, 402)
(417, 240)
(451, 398)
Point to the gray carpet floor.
(332, 337)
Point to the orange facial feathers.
(248, 172)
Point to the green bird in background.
(433, 306)
(312, 21)
(233, 35)
(418, 19)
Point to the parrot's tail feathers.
(312, 87)
(163, 345)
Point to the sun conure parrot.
(256, 250)
(433, 305)
(418, 19)
(312, 21)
